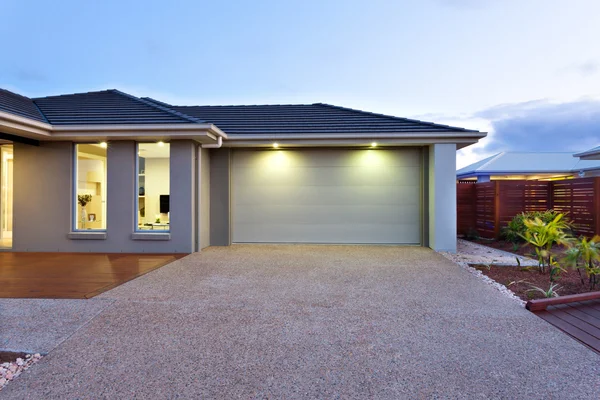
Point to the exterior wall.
(442, 197)
(220, 188)
(43, 201)
(204, 196)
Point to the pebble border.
(10, 370)
(500, 287)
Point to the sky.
(525, 71)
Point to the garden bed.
(520, 280)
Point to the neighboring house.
(110, 172)
(591, 154)
(529, 165)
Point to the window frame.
(136, 204)
(74, 185)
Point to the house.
(110, 172)
(529, 166)
(591, 154)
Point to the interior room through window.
(153, 186)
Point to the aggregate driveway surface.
(292, 321)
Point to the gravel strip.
(473, 253)
(10, 370)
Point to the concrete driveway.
(278, 321)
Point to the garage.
(327, 195)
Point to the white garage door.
(326, 196)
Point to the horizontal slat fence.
(487, 207)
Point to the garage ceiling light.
(161, 143)
(103, 145)
(374, 144)
(275, 145)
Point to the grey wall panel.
(42, 197)
(43, 200)
(327, 196)
(204, 196)
(219, 197)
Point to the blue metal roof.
(522, 163)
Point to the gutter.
(409, 135)
(214, 145)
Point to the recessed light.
(103, 145)
(275, 145)
(374, 144)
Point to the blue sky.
(528, 72)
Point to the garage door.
(326, 196)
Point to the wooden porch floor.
(580, 320)
(72, 275)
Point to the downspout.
(214, 145)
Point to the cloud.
(537, 125)
(543, 126)
(585, 69)
(29, 75)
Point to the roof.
(316, 118)
(595, 152)
(520, 163)
(253, 122)
(19, 105)
(107, 107)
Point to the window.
(153, 205)
(90, 181)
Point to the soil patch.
(10, 356)
(520, 280)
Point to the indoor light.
(374, 144)
(103, 145)
(161, 143)
(275, 145)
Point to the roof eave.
(461, 139)
(591, 155)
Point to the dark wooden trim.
(542, 304)
(19, 139)
(497, 209)
(597, 204)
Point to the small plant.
(472, 234)
(585, 254)
(516, 228)
(551, 292)
(542, 236)
(83, 199)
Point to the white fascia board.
(364, 141)
(26, 127)
(29, 128)
(335, 136)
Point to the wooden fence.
(485, 208)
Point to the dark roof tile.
(107, 107)
(316, 118)
(19, 105)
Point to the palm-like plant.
(586, 253)
(542, 236)
(551, 292)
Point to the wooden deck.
(72, 275)
(580, 320)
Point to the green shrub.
(516, 228)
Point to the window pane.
(90, 178)
(153, 186)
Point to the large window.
(6, 196)
(90, 181)
(153, 204)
